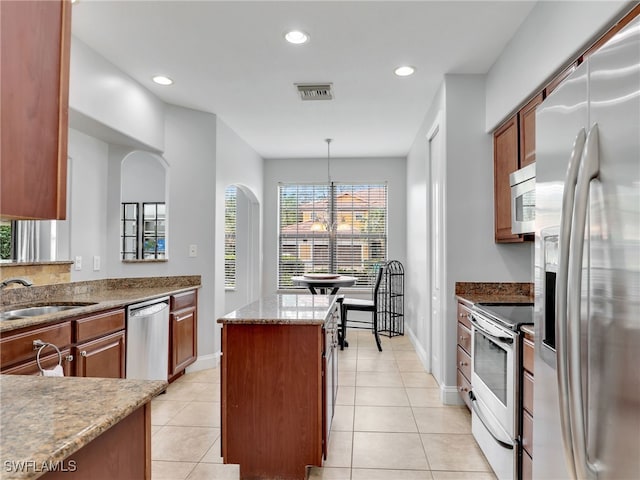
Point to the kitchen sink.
(43, 309)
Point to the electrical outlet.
(78, 263)
(193, 250)
(96, 263)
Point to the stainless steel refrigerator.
(586, 418)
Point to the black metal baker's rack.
(391, 300)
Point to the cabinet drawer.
(527, 467)
(19, 347)
(48, 362)
(527, 392)
(463, 313)
(463, 389)
(183, 300)
(464, 337)
(464, 363)
(98, 325)
(527, 433)
(527, 355)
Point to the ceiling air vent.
(315, 91)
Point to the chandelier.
(329, 224)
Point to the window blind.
(230, 211)
(332, 228)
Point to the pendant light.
(324, 225)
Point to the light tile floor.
(389, 423)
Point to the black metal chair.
(361, 306)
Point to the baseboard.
(204, 362)
(450, 395)
(420, 351)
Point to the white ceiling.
(230, 58)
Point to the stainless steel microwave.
(523, 199)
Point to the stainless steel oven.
(495, 383)
(523, 199)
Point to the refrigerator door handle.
(589, 169)
(568, 196)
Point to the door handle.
(589, 170)
(568, 197)
(504, 441)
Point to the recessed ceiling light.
(404, 71)
(162, 80)
(296, 37)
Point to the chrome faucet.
(22, 281)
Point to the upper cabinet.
(34, 78)
(505, 162)
(527, 126)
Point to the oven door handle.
(496, 339)
(508, 443)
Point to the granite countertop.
(283, 309)
(46, 419)
(101, 294)
(528, 329)
(494, 292)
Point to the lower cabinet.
(272, 398)
(103, 357)
(90, 346)
(183, 329)
(464, 353)
(527, 406)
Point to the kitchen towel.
(54, 372)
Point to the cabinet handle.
(83, 353)
(463, 389)
(461, 338)
(461, 314)
(463, 363)
(179, 319)
(69, 358)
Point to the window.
(230, 209)
(332, 228)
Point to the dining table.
(321, 283)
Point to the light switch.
(96, 263)
(78, 263)
(193, 250)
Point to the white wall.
(468, 238)
(417, 274)
(87, 204)
(344, 170)
(552, 34)
(106, 103)
(238, 164)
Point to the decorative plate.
(321, 276)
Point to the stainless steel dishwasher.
(148, 340)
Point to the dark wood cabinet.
(34, 77)
(183, 332)
(527, 127)
(90, 346)
(526, 412)
(464, 352)
(103, 357)
(16, 347)
(505, 162)
(278, 390)
(99, 349)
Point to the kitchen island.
(279, 384)
(76, 428)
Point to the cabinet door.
(183, 339)
(505, 162)
(48, 362)
(34, 73)
(528, 131)
(104, 357)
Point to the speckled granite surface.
(495, 292)
(283, 309)
(46, 419)
(102, 294)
